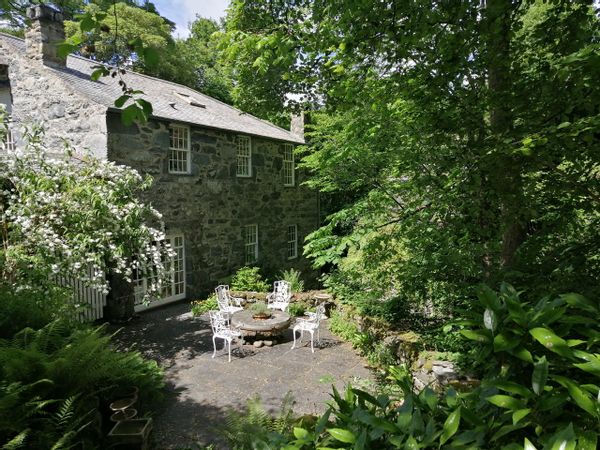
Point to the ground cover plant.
(540, 388)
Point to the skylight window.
(189, 99)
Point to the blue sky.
(184, 11)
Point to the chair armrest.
(270, 296)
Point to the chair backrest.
(219, 321)
(222, 296)
(282, 290)
(319, 313)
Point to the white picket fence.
(90, 301)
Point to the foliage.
(293, 277)
(49, 380)
(76, 216)
(249, 279)
(254, 428)
(200, 307)
(540, 389)
(441, 137)
(260, 309)
(297, 309)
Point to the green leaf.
(503, 342)
(563, 125)
(523, 354)
(519, 415)
(513, 388)
(580, 301)
(64, 49)
(580, 397)
(540, 375)
(450, 425)
(121, 100)
(505, 401)
(87, 23)
(300, 433)
(130, 114)
(563, 440)
(342, 435)
(551, 341)
(477, 335)
(527, 445)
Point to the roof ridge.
(143, 75)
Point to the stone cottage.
(225, 181)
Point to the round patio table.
(249, 327)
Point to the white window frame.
(175, 285)
(182, 162)
(244, 157)
(250, 244)
(289, 166)
(292, 241)
(8, 143)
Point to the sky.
(184, 11)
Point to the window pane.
(179, 149)
(244, 156)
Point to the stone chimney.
(45, 33)
(297, 125)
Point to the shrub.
(292, 276)
(297, 309)
(49, 380)
(200, 307)
(249, 279)
(540, 389)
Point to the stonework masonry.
(211, 205)
(41, 98)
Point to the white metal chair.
(281, 296)
(221, 328)
(310, 324)
(224, 300)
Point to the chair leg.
(229, 348)
(215, 347)
(312, 337)
(294, 333)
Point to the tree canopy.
(459, 141)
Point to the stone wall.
(210, 206)
(40, 97)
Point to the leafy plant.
(297, 309)
(200, 307)
(249, 279)
(541, 387)
(293, 277)
(254, 428)
(260, 309)
(49, 380)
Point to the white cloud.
(182, 12)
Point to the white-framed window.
(179, 149)
(250, 244)
(174, 284)
(288, 165)
(244, 156)
(8, 141)
(292, 241)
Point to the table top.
(244, 321)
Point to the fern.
(18, 441)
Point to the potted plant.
(260, 311)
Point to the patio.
(200, 390)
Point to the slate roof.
(170, 101)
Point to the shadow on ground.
(201, 390)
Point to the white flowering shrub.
(78, 216)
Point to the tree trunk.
(506, 173)
(120, 300)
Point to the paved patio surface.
(201, 390)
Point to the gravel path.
(201, 390)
